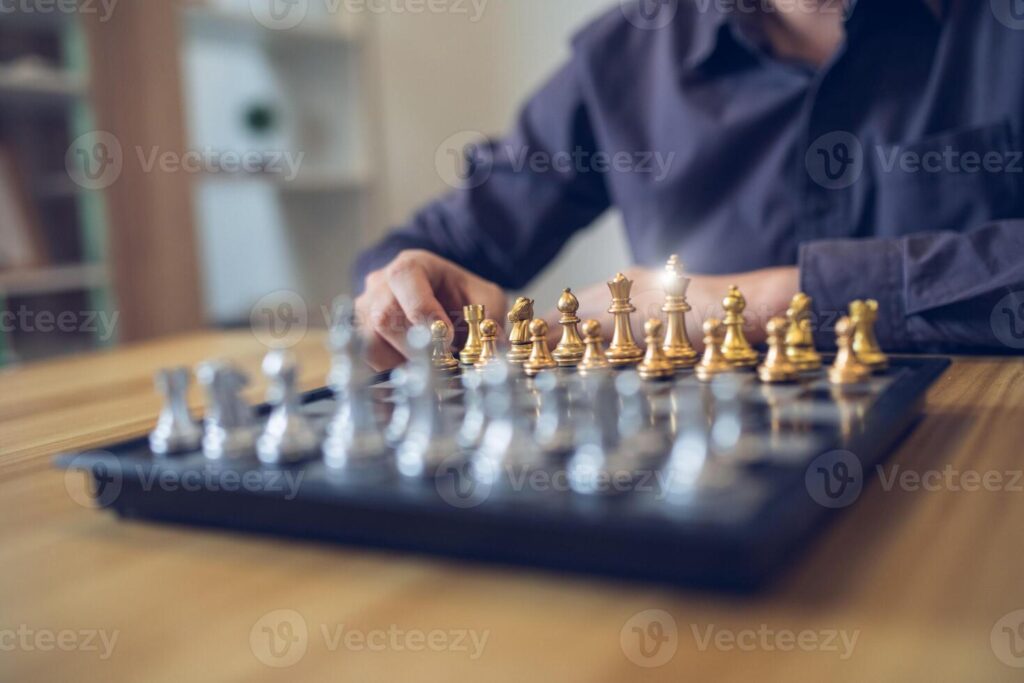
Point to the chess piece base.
(624, 357)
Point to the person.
(866, 149)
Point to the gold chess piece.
(714, 362)
(777, 368)
(540, 356)
(677, 345)
(847, 368)
(519, 333)
(799, 337)
(735, 347)
(441, 357)
(570, 349)
(488, 343)
(593, 356)
(655, 364)
(623, 350)
(863, 316)
(474, 314)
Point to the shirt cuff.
(836, 272)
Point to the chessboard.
(717, 484)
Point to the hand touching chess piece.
(416, 288)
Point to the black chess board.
(802, 457)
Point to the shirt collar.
(712, 29)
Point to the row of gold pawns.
(791, 352)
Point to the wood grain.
(920, 577)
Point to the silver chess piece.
(229, 428)
(288, 436)
(354, 439)
(431, 438)
(401, 388)
(640, 438)
(554, 429)
(507, 446)
(175, 431)
(597, 465)
(474, 420)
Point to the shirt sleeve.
(940, 291)
(523, 198)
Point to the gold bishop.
(799, 337)
(569, 351)
(735, 347)
(863, 316)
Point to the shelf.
(52, 279)
(237, 22)
(49, 89)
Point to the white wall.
(443, 73)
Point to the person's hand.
(768, 293)
(417, 288)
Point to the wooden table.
(919, 578)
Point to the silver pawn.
(354, 439)
(401, 387)
(175, 431)
(430, 440)
(554, 430)
(229, 428)
(508, 446)
(288, 437)
(474, 420)
(597, 465)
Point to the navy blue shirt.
(893, 172)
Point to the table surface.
(912, 583)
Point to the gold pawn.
(593, 356)
(474, 314)
(677, 345)
(569, 351)
(713, 363)
(488, 343)
(623, 350)
(540, 356)
(441, 357)
(863, 316)
(519, 331)
(799, 337)
(655, 364)
(847, 368)
(735, 347)
(777, 368)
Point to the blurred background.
(167, 166)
